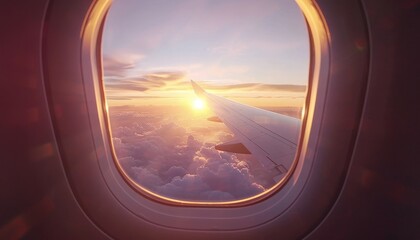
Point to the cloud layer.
(171, 160)
(117, 80)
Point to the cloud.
(164, 87)
(256, 86)
(165, 76)
(119, 98)
(166, 158)
(175, 81)
(127, 85)
(118, 64)
(149, 81)
(120, 77)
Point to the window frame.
(100, 91)
(89, 162)
(140, 200)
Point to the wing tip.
(197, 89)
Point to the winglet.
(233, 147)
(214, 119)
(197, 89)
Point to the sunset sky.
(254, 52)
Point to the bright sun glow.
(198, 104)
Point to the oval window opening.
(205, 97)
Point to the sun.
(198, 104)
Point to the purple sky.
(256, 51)
(222, 42)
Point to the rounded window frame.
(176, 202)
(100, 178)
(285, 190)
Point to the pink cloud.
(167, 159)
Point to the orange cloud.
(174, 88)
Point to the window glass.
(252, 52)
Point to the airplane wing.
(270, 137)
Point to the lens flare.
(198, 104)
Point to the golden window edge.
(317, 37)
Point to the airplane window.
(205, 96)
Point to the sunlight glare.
(198, 104)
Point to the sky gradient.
(254, 52)
(234, 48)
